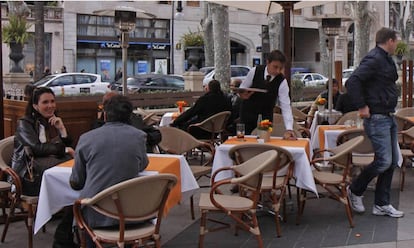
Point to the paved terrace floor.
(324, 224)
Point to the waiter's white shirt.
(282, 96)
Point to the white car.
(74, 84)
(346, 74)
(237, 71)
(310, 79)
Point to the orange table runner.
(162, 165)
(277, 142)
(323, 128)
(411, 118)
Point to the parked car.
(151, 82)
(237, 71)
(310, 79)
(206, 70)
(346, 74)
(74, 84)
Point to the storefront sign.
(110, 45)
(159, 46)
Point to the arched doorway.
(238, 53)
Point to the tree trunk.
(39, 39)
(207, 26)
(221, 44)
(275, 27)
(363, 21)
(323, 45)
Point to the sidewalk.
(324, 224)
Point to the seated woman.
(46, 136)
(212, 102)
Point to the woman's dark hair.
(214, 87)
(118, 108)
(34, 99)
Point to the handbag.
(35, 166)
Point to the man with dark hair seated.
(153, 134)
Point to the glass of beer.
(240, 129)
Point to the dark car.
(151, 82)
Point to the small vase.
(321, 108)
(265, 135)
(180, 109)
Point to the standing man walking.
(373, 90)
(271, 79)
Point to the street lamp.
(125, 21)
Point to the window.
(317, 77)
(84, 79)
(61, 81)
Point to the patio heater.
(177, 16)
(331, 25)
(125, 21)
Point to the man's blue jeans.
(382, 131)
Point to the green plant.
(16, 30)
(192, 39)
(402, 48)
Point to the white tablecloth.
(56, 193)
(330, 141)
(302, 170)
(166, 119)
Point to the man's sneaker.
(355, 201)
(387, 210)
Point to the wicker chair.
(177, 141)
(26, 204)
(215, 125)
(241, 209)
(275, 182)
(335, 182)
(116, 202)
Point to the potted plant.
(192, 39)
(401, 49)
(15, 35)
(193, 42)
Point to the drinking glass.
(240, 129)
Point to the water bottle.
(259, 119)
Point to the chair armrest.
(215, 190)
(213, 177)
(321, 151)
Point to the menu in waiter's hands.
(241, 90)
